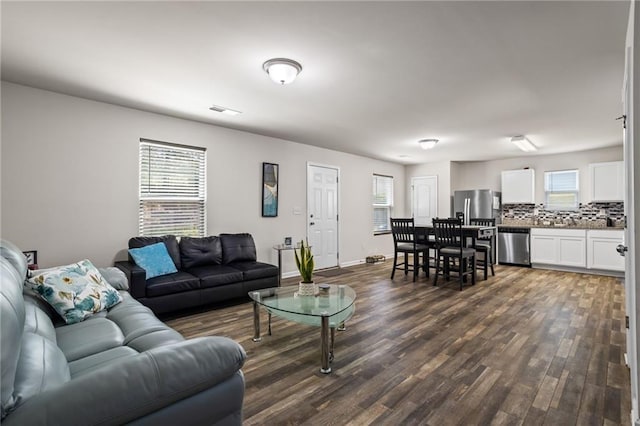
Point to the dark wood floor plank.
(526, 347)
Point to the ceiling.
(376, 78)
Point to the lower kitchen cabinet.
(544, 249)
(601, 249)
(577, 248)
(564, 247)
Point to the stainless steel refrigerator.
(477, 203)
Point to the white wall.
(69, 180)
(453, 176)
(443, 171)
(486, 174)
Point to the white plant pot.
(306, 289)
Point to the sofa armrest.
(137, 277)
(137, 386)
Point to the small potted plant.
(304, 262)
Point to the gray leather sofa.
(118, 366)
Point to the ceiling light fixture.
(523, 143)
(282, 70)
(427, 143)
(224, 110)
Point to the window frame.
(548, 191)
(150, 195)
(386, 205)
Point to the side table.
(280, 248)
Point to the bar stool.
(405, 241)
(484, 245)
(450, 245)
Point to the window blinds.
(566, 180)
(561, 190)
(172, 190)
(382, 202)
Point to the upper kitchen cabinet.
(518, 186)
(607, 181)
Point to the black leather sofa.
(210, 269)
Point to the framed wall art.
(269, 190)
(32, 257)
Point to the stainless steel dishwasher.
(513, 246)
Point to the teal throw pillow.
(154, 259)
(75, 291)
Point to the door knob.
(621, 249)
(312, 223)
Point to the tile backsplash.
(595, 214)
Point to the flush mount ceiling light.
(282, 70)
(224, 110)
(427, 143)
(523, 143)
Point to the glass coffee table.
(327, 311)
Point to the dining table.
(469, 232)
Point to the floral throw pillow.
(75, 291)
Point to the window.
(561, 190)
(172, 189)
(382, 203)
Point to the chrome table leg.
(256, 322)
(324, 345)
(333, 339)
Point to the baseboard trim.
(361, 261)
(351, 263)
(617, 274)
(291, 274)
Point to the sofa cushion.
(115, 277)
(88, 338)
(90, 363)
(154, 259)
(36, 319)
(216, 275)
(75, 291)
(237, 248)
(15, 256)
(172, 283)
(200, 251)
(141, 328)
(169, 240)
(42, 366)
(11, 329)
(255, 270)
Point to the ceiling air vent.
(224, 110)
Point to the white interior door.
(629, 232)
(322, 214)
(424, 199)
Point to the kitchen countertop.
(590, 227)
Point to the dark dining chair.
(450, 246)
(484, 245)
(405, 242)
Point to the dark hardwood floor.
(527, 347)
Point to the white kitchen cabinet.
(607, 181)
(518, 186)
(601, 249)
(544, 249)
(572, 251)
(564, 247)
